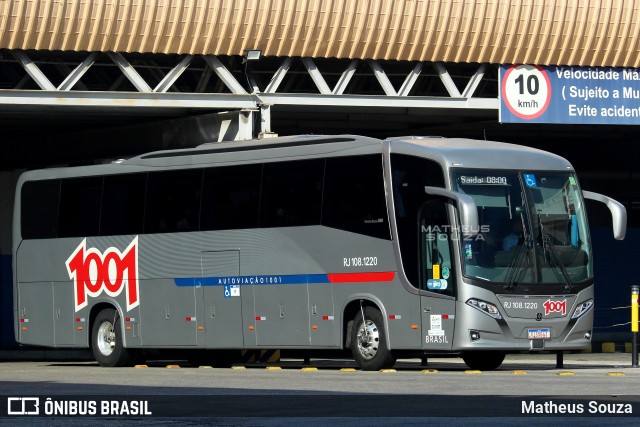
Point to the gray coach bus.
(404, 246)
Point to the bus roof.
(453, 152)
(316, 144)
(471, 153)
(450, 152)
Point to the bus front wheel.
(483, 360)
(106, 341)
(368, 341)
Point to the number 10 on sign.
(526, 91)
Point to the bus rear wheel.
(368, 341)
(106, 341)
(483, 360)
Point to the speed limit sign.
(526, 91)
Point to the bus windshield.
(532, 228)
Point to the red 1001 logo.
(555, 307)
(94, 272)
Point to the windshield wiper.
(549, 247)
(515, 268)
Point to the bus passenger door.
(437, 276)
(222, 299)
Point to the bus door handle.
(427, 309)
(282, 311)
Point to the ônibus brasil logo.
(94, 272)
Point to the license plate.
(539, 334)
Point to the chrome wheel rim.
(106, 338)
(368, 339)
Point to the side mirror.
(618, 213)
(466, 207)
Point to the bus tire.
(369, 342)
(106, 341)
(483, 360)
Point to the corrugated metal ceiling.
(562, 32)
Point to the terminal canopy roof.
(544, 32)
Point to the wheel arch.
(96, 309)
(352, 307)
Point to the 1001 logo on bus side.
(94, 272)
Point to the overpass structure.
(375, 66)
(114, 80)
(86, 81)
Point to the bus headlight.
(582, 308)
(485, 307)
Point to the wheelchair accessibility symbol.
(231, 291)
(530, 180)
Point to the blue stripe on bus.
(291, 279)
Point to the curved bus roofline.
(250, 145)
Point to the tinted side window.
(39, 209)
(123, 204)
(80, 207)
(231, 197)
(354, 198)
(410, 175)
(173, 201)
(292, 193)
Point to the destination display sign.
(483, 180)
(573, 95)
